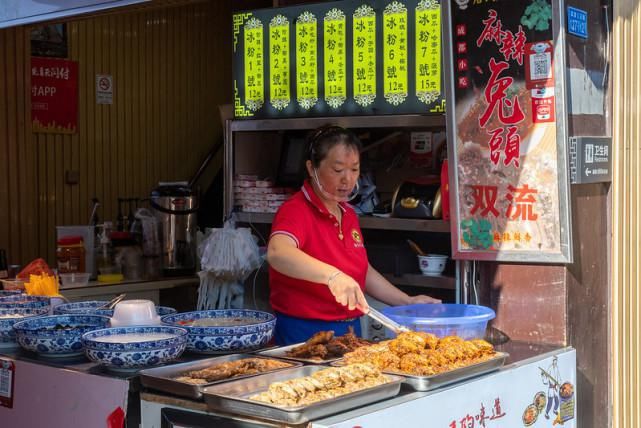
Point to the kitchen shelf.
(389, 121)
(418, 280)
(407, 224)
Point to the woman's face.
(338, 172)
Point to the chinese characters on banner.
(334, 51)
(306, 61)
(395, 53)
(345, 57)
(254, 67)
(364, 55)
(484, 418)
(279, 92)
(510, 178)
(428, 51)
(54, 95)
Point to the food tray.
(281, 353)
(427, 383)
(233, 397)
(163, 378)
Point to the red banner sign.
(54, 95)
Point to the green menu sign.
(338, 58)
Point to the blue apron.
(291, 330)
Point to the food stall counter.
(537, 383)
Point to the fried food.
(232, 369)
(422, 354)
(322, 385)
(323, 345)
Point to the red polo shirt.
(306, 220)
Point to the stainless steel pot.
(175, 207)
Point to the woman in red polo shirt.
(318, 263)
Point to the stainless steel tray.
(281, 353)
(233, 397)
(163, 378)
(427, 383)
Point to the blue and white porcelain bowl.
(5, 293)
(57, 335)
(86, 307)
(225, 331)
(8, 317)
(24, 301)
(91, 307)
(131, 348)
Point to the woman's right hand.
(347, 292)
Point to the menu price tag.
(254, 57)
(395, 53)
(364, 55)
(7, 376)
(306, 60)
(428, 51)
(279, 79)
(335, 58)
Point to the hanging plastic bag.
(227, 256)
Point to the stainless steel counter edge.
(96, 288)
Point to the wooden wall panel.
(170, 71)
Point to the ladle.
(416, 248)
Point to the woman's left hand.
(421, 298)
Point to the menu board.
(338, 58)
(506, 132)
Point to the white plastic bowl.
(135, 312)
(432, 264)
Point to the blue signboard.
(578, 22)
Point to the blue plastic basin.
(443, 319)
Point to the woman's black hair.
(323, 139)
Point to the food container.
(5, 293)
(92, 307)
(57, 335)
(74, 279)
(230, 330)
(167, 378)
(233, 397)
(132, 348)
(443, 319)
(8, 317)
(24, 301)
(432, 264)
(135, 312)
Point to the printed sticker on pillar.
(306, 60)
(254, 66)
(279, 79)
(364, 55)
(395, 53)
(334, 50)
(428, 51)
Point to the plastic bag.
(36, 267)
(227, 257)
(229, 253)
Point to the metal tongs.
(110, 304)
(387, 322)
